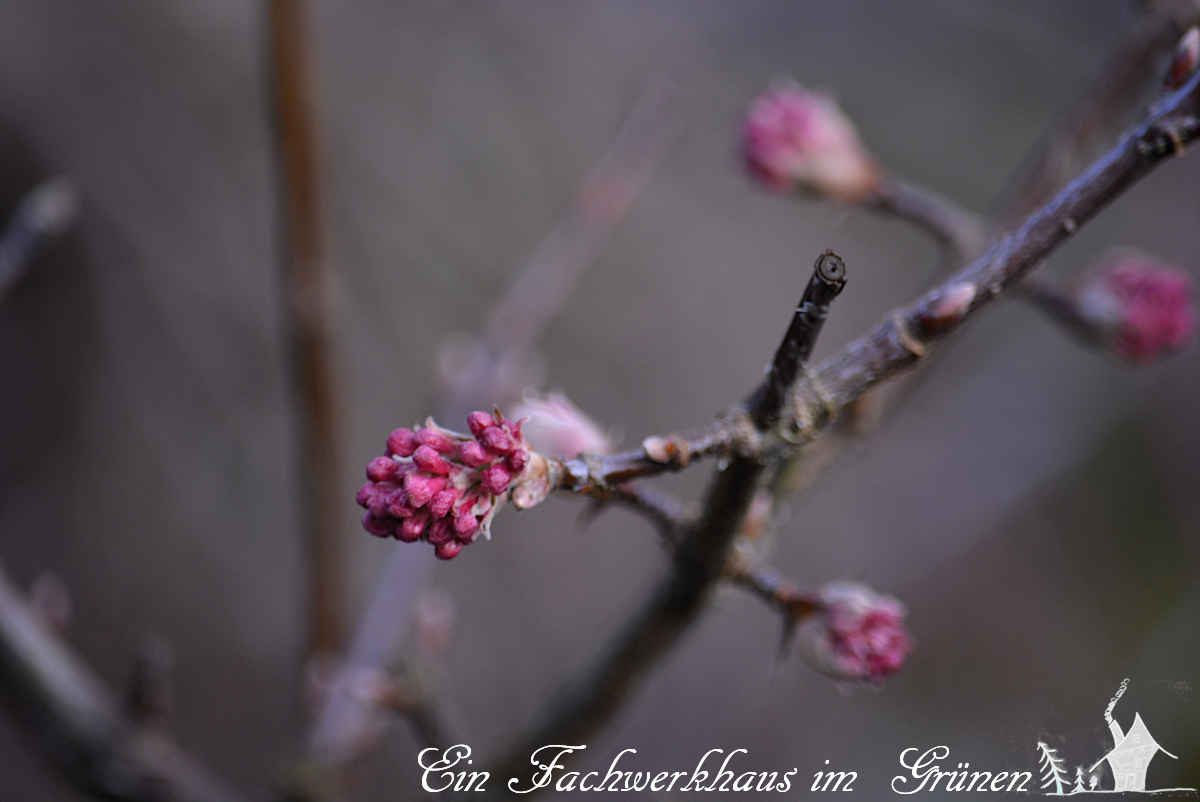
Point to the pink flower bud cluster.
(858, 634)
(1145, 307)
(440, 486)
(793, 137)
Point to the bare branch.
(304, 283)
(538, 291)
(907, 335)
(1097, 113)
(958, 230)
(828, 279)
(700, 559)
(892, 346)
(776, 590)
(77, 722)
(667, 513)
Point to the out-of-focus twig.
(773, 588)
(959, 231)
(702, 554)
(1099, 111)
(46, 211)
(304, 283)
(540, 289)
(78, 724)
(894, 345)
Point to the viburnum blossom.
(856, 634)
(442, 487)
(1144, 307)
(797, 138)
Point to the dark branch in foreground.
(77, 722)
(828, 279)
(701, 557)
(894, 345)
(900, 341)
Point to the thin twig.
(700, 559)
(668, 514)
(540, 288)
(908, 334)
(773, 588)
(1098, 112)
(77, 723)
(958, 230)
(892, 346)
(304, 282)
(1060, 307)
(828, 279)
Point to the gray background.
(1034, 504)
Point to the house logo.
(1127, 760)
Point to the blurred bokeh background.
(1034, 503)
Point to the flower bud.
(496, 478)
(473, 454)
(497, 439)
(437, 440)
(796, 138)
(448, 550)
(441, 503)
(380, 527)
(516, 461)
(412, 528)
(421, 488)
(402, 442)
(465, 525)
(382, 469)
(428, 460)
(478, 421)
(440, 531)
(381, 498)
(858, 634)
(1143, 308)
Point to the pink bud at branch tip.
(795, 138)
(1144, 308)
(858, 634)
(444, 488)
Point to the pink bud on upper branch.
(794, 138)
